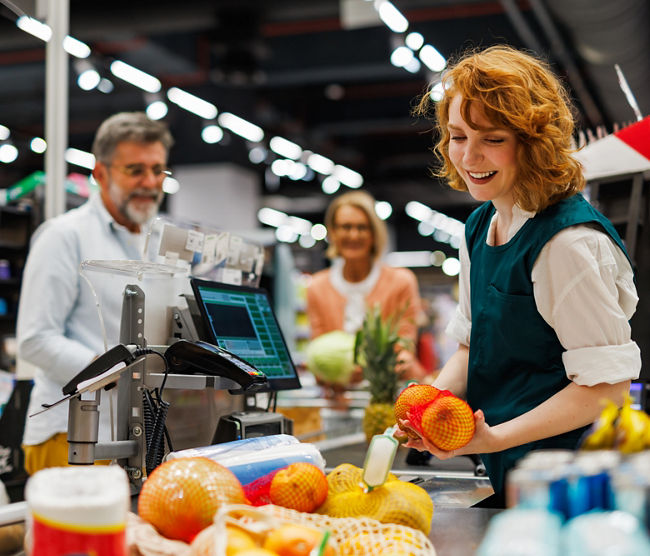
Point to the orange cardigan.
(394, 288)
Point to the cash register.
(240, 319)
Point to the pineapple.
(375, 350)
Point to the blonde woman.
(338, 297)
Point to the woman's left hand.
(409, 368)
(481, 443)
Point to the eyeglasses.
(359, 228)
(140, 170)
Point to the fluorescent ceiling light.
(320, 164)
(42, 31)
(75, 47)
(451, 266)
(171, 185)
(135, 76)
(8, 153)
(437, 258)
(383, 209)
(330, 185)
(286, 234)
(156, 110)
(257, 155)
(401, 56)
(417, 210)
(38, 145)
(298, 171)
(391, 16)
(241, 127)
(191, 103)
(409, 258)
(425, 228)
(284, 147)
(299, 225)
(306, 241)
(413, 66)
(414, 41)
(34, 27)
(281, 167)
(4, 132)
(80, 158)
(432, 58)
(347, 177)
(212, 134)
(271, 217)
(437, 92)
(88, 79)
(105, 86)
(318, 232)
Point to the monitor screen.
(241, 320)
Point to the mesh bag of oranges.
(437, 415)
(241, 529)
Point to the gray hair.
(128, 126)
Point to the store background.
(318, 73)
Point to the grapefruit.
(412, 397)
(448, 422)
(182, 495)
(300, 486)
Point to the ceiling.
(302, 69)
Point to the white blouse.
(354, 292)
(583, 288)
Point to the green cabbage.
(330, 357)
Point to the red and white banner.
(625, 152)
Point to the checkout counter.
(187, 362)
(454, 485)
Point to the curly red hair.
(516, 91)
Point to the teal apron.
(515, 357)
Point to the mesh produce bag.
(447, 420)
(349, 536)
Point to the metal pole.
(56, 107)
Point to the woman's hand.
(335, 391)
(482, 442)
(409, 368)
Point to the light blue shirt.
(59, 328)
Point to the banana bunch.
(625, 429)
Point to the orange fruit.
(448, 422)
(295, 540)
(412, 397)
(300, 486)
(182, 495)
(256, 552)
(238, 540)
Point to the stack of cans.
(573, 483)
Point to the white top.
(58, 326)
(354, 292)
(583, 288)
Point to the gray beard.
(126, 208)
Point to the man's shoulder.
(77, 221)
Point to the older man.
(59, 330)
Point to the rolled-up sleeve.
(584, 289)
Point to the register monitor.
(240, 319)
